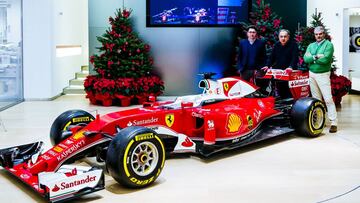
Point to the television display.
(188, 13)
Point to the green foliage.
(122, 54)
(267, 22)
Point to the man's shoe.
(333, 129)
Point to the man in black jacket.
(285, 56)
(252, 54)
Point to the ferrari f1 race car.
(230, 113)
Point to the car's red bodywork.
(228, 114)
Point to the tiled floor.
(286, 169)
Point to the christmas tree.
(305, 35)
(123, 66)
(267, 22)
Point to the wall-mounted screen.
(196, 13)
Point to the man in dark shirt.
(252, 54)
(285, 56)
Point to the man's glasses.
(251, 32)
(317, 34)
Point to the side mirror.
(152, 98)
(187, 104)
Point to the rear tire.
(66, 119)
(135, 157)
(308, 116)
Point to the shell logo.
(233, 123)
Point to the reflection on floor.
(7, 104)
(4, 104)
(286, 169)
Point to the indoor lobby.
(50, 52)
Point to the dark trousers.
(248, 75)
(263, 85)
(283, 90)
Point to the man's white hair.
(319, 29)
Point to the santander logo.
(56, 188)
(187, 143)
(67, 185)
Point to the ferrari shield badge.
(226, 87)
(169, 120)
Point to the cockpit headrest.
(203, 84)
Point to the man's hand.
(319, 56)
(288, 70)
(265, 68)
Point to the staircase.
(76, 86)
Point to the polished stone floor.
(288, 169)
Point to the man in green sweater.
(319, 56)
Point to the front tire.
(135, 157)
(59, 129)
(308, 117)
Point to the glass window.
(11, 89)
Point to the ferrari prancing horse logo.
(226, 87)
(169, 120)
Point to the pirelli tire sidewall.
(120, 150)
(302, 113)
(68, 118)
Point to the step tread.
(84, 71)
(75, 87)
(73, 90)
(78, 79)
(84, 68)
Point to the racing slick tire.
(66, 119)
(308, 117)
(135, 157)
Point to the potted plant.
(340, 86)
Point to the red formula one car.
(230, 113)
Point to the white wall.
(336, 18)
(37, 48)
(46, 24)
(70, 20)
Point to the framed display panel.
(197, 13)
